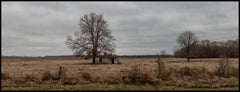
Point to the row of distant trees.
(208, 49)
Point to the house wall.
(106, 61)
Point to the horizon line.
(75, 55)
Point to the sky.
(140, 28)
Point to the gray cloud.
(41, 28)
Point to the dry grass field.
(25, 74)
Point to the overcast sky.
(140, 28)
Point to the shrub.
(185, 71)
(135, 73)
(19, 80)
(5, 76)
(161, 71)
(235, 72)
(225, 69)
(193, 73)
(72, 79)
(96, 79)
(113, 78)
(28, 77)
(55, 76)
(86, 76)
(140, 76)
(46, 76)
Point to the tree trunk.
(93, 56)
(93, 59)
(188, 58)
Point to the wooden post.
(61, 74)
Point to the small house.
(107, 59)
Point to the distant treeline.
(21, 57)
(41, 57)
(73, 56)
(214, 49)
(144, 56)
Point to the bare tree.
(94, 37)
(163, 52)
(187, 40)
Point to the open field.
(82, 75)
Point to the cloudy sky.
(140, 28)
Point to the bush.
(86, 76)
(140, 76)
(161, 71)
(225, 69)
(72, 79)
(113, 79)
(19, 80)
(46, 76)
(55, 76)
(235, 72)
(5, 76)
(28, 77)
(135, 73)
(193, 73)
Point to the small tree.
(163, 52)
(94, 38)
(187, 40)
(161, 71)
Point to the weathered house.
(107, 59)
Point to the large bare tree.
(187, 40)
(94, 37)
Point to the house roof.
(107, 56)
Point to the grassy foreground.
(102, 86)
(149, 74)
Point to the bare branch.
(187, 40)
(94, 37)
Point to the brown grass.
(225, 69)
(167, 72)
(46, 76)
(161, 70)
(72, 78)
(5, 76)
(138, 75)
(86, 76)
